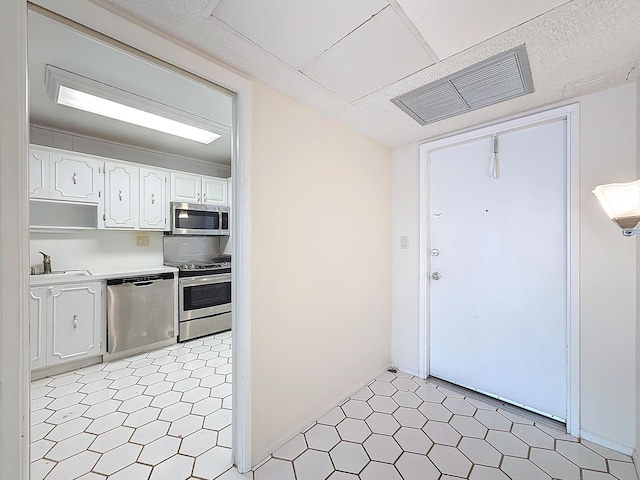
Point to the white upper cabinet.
(75, 178)
(38, 173)
(153, 211)
(186, 187)
(121, 195)
(214, 191)
(189, 188)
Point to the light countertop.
(70, 277)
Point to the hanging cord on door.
(496, 159)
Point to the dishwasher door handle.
(143, 284)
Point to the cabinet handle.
(120, 195)
(205, 197)
(198, 197)
(153, 199)
(75, 321)
(75, 178)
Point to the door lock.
(436, 276)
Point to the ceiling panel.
(452, 26)
(375, 55)
(295, 31)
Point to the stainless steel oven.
(204, 300)
(204, 284)
(204, 296)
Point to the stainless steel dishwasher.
(140, 311)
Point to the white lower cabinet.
(66, 323)
(37, 315)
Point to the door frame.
(569, 113)
(15, 446)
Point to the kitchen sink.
(69, 273)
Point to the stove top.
(214, 266)
(200, 265)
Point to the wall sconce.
(621, 201)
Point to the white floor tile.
(117, 459)
(214, 463)
(111, 439)
(159, 450)
(178, 467)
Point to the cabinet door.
(214, 191)
(121, 196)
(153, 212)
(38, 173)
(37, 332)
(185, 187)
(74, 331)
(75, 178)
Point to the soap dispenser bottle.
(46, 262)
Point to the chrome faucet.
(46, 262)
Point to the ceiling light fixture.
(621, 201)
(72, 90)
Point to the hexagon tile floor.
(160, 415)
(166, 415)
(402, 428)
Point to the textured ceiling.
(591, 43)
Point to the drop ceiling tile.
(453, 26)
(279, 26)
(379, 53)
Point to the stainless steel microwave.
(197, 219)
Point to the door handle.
(436, 276)
(75, 321)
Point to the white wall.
(320, 242)
(607, 268)
(406, 268)
(96, 250)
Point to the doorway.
(95, 17)
(485, 265)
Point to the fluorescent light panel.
(66, 88)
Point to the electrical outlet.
(404, 242)
(142, 240)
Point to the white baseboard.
(310, 421)
(592, 437)
(408, 371)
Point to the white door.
(498, 310)
(121, 192)
(214, 191)
(75, 322)
(185, 187)
(153, 213)
(75, 178)
(37, 326)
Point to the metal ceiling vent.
(491, 81)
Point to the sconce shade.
(621, 201)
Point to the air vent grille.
(491, 81)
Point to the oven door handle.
(191, 282)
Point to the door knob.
(435, 252)
(436, 276)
